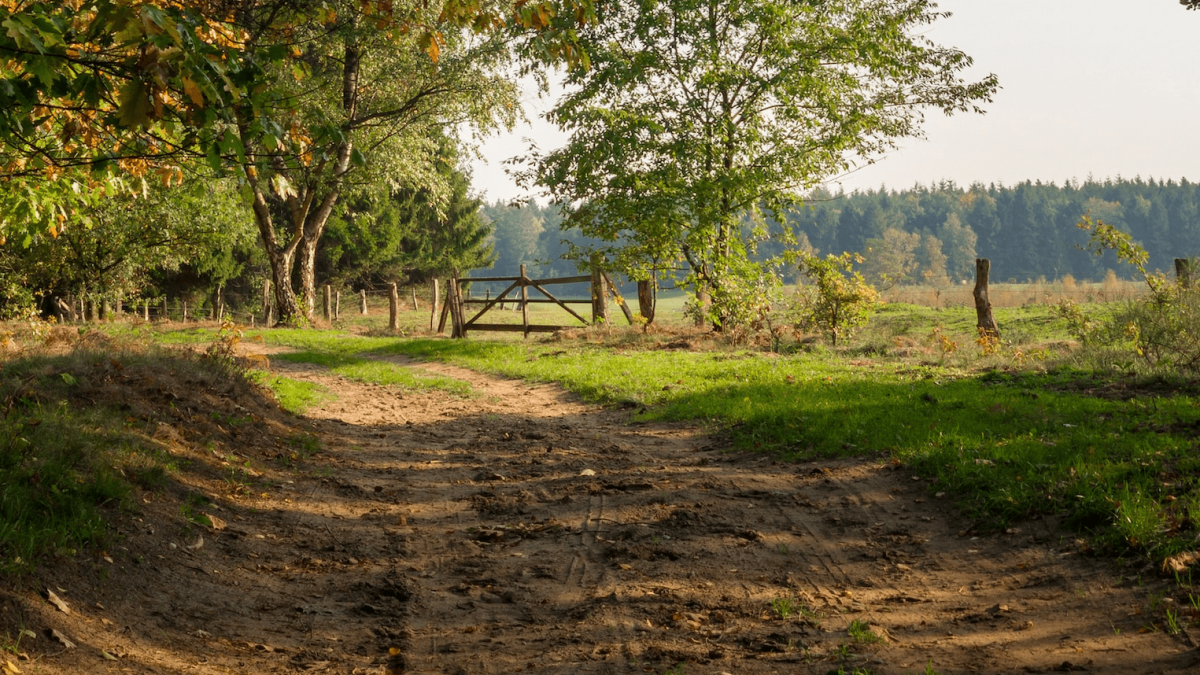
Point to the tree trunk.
(985, 322)
(599, 293)
(646, 299)
(1183, 272)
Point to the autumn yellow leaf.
(193, 92)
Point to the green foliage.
(679, 148)
(860, 631)
(1163, 330)
(839, 299)
(127, 245)
(408, 234)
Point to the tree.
(931, 261)
(960, 243)
(295, 96)
(697, 114)
(128, 241)
(516, 233)
(891, 258)
(411, 234)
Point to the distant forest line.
(1027, 230)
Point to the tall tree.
(698, 112)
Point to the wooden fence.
(518, 291)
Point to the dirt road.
(522, 531)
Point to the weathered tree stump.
(984, 320)
(1183, 272)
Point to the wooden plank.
(524, 300)
(612, 288)
(556, 300)
(489, 279)
(533, 300)
(584, 279)
(516, 328)
(489, 303)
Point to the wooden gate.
(517, 291)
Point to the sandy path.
(519, 530)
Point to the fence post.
(183, 310)
(445, 313)
(1183, 272)
(413, 290)
(337, 305)
(219, 304)
(266, 303)
(433, 305)
(362, 302)
(327, 306)
(985, 322)
(393, 308)
(525, 301)
(599, 292)
(454, 303)
(146, 310)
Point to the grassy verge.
(1005, 446)
(294, 396)
(342, 353)
(64, 467)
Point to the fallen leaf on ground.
(61, 638)
(217, 523)
(11, 668)
(107, 656)
(587, 472)
(1180, 563)
(196, 546)
(57, 602)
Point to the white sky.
(1099, 87)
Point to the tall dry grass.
(1036, 292)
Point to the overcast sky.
(1099, 87)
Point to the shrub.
(839, 299)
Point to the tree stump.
(985, 322)
(1183, 272)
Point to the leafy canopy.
(698, 117)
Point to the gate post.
(434, 302)
(525, 301)
(394, 307)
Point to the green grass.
(343, 353)
(63, 466)
(294, 396)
